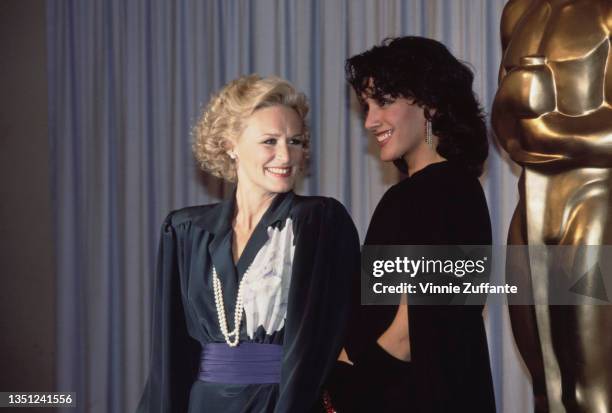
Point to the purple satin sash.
(248, 363)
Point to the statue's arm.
(530, 127)
(512, 13)
(583, 141)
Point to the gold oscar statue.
(553, 115)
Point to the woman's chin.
(387, 157)
(282, 188)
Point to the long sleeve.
(326, 259)
(174, 355)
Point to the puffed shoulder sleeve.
(326, 260)
(174, 354)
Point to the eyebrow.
(278, 135)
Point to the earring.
(232, 155)
(428, 133)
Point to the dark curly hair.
(425, 71)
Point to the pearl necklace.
(221, 309)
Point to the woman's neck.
(250, 207)
(423, 156)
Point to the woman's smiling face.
(270, 151)
(398, 125)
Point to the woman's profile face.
(270, 150)
(398, 125)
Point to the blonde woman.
(252, 293)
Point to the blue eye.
(271, 141)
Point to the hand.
(528, 91)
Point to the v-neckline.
(258, 237)
(256, 233)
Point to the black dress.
(449, 369)
(311, 247)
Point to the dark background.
(27, 289)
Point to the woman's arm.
(326, 259)
(174, 354)
(396, 338)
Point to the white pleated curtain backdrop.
(127, 80)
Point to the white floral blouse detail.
(266, 290)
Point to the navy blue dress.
(315, 244)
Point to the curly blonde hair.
(223, 119)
